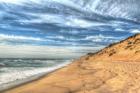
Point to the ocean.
(15, 70)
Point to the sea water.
(12, 70)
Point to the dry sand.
(115, 69)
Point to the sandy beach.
(114, 69)
(110, 77)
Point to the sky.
(64, 28)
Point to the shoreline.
(18, 83)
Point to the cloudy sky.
(64, 28)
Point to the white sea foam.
(14, 76)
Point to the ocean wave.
(2, 64)
(11, 74)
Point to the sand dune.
(115, 69)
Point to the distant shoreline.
(42, 58)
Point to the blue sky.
(68, 24)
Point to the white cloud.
(60, 20)
(21, 2)
(44, 18)
(55, 37)
(29, 51)
(119, 30)
(102, 38)
(5, 37)
(73, 32)
(135, 31)
(79, 22)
